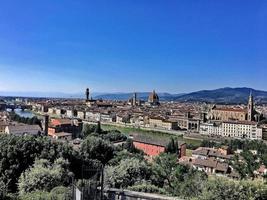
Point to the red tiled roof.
(231, 109)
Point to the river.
(25, 113)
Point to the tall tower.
(250, 107)
(87, 93)
(134, 99)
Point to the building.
(226, 114)
(210, 160)
(264, 131)
(250, 108)
(23, 130)
(92, 116)
(153, 147)
(3, 125)
(81, 114)
(133, 101)
(160, 123)
(210, 129)
(241, 130)
(123, 118)
(233, 129)
(108, 117)
(187, 121)
(61, 136)
(221, 154)
(89, 102)
(2, 105)
(153, 99)
(65, 125)
(211, 166)
(235, 114)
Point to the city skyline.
(175, 47)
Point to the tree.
(176, 179)
(98, 128)
(124, 154)
(163, 170)
(127, 173)
(44, 176)
(19, 153)
(172, 146)
(245, 165)
(97, 149)
(114, 136)
(222, 188)
(88, 129)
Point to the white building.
(23, 130)
(233, 129)
(241, 129)
(92, 116)
(81, 114)
(210, 129)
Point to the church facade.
(234, 114)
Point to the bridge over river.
(4, 106)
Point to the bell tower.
(250, 107)
(87, 94)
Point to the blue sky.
(132, 45)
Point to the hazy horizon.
(81, 94)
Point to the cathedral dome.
(153, 97)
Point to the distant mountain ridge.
(225, 95)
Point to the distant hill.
(225, 96)
(140, 95)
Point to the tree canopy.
(44, 176)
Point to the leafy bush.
(88, 129)
(95, 148)
(44, 176)
(127, 173)
(148, 188)
(114, 136)
(222, 188)
(18, 153)
(57, 193)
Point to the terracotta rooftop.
(231, 109)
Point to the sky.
(171, 46)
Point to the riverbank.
(192, 143)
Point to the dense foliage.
(37, 165)
(222, 188)
(95, 130)
(94, 148)
(172, 146)
(128, 172)
(18, 153)
(44, 176)
(57, 193)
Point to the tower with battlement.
(250, 108)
